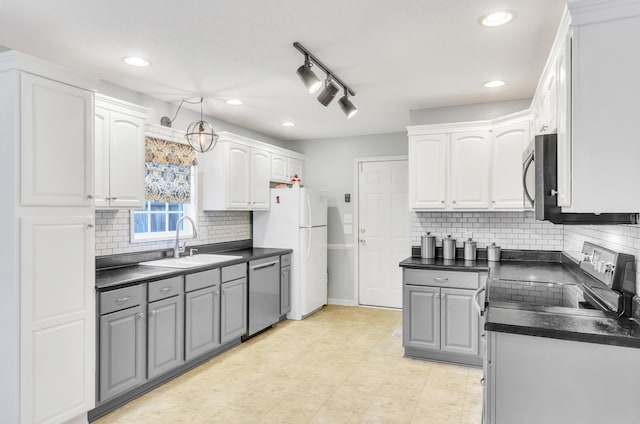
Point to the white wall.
(475, 112)
(329, 164)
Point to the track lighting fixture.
(330, 90)
(200, 134)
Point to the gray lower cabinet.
(165, 335)
(459, 322)
(285, 290)
(202, 321)
(421, 317)
(122, 351)
(233, 309)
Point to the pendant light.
(199, 134)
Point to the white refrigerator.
(297, 219)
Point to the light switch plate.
(348, 218)
(348, 229)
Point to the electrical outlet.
(348, 218)
(348, 229)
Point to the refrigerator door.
(313, 208)
(313, 269)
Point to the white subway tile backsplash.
(113, 231)
(510, 230)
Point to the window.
(157, 221)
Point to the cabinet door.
(122, 351)
(285, 290)
(421, 317)
(279, 168)
(508, 144)
(427, 171)
(233, 310)
(238, 161)
(56, 143)
(202, 325)
(166, 340)
(126, 179)
(563, 68)
(295, 168)
(260, 173)
(101, 141)
(459, 327)
(470, 157)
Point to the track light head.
(347, 107)
(328, 92)
(310, 80)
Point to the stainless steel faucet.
(177, 249)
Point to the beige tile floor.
(341, 365)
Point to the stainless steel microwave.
(540, 183)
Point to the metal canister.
(470, 250)
(493, 253)
(428, 248)
(449, 248)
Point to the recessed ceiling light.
(496, 18)
(136, 61)
(493, 84)
(288, 124)
(234, 102)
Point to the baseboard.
(342, 302)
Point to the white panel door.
(260, 174)
(383, 231)
(508, 144)
(57, 143)
(58, 318)
(312, 285)
(427, 171)
(279, 168)
(101, 143)
(238, 160)
(470, 156)
(126, 179)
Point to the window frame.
(189, 209)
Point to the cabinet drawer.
(116, 300)
(234, 272)
(285, 260)
(454, 279)
(203, 279)
(165, 288)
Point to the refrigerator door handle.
(308, 246)
(309, 219)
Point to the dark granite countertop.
(110, 278)
(561, 323)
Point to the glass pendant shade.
(201, 137)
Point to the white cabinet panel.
(459, 322)
(57, 143)
(427, 171)
(101, 143)
(563, 69)
(470, 155)
(295, 168)
(238, 162)
(508, 144)
(279, 168)
(260, 173)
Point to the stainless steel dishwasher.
(264, 293)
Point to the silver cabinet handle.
(554, 192)
(166, 289)
(454, 201)
(437, 296)
(89, 196)
(476, 302)
(114, 198)
(268, 264)
(140, 315)
(123, 299)
(90, 225)
(483, 382)
(444, 296)
(442, 201)
(441, 279)
(153, 312)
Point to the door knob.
(362, 230)
(362, 241)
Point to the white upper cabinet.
(470, 155)
(295, 168)
(120, 150)
(508, 142)
(427, 171)
(283, 168)
(57, 147)
(260, 173)
(236, 174)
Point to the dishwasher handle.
(267, 265)
(476, 302)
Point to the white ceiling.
(397, 55)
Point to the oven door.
(529, 176)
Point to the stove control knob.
(608, 268)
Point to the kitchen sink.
(191, 261)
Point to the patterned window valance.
(163, 151)
(168, 183)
